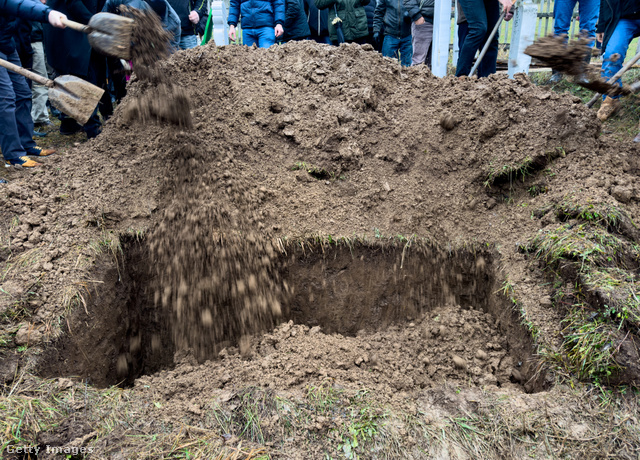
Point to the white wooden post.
(220, 27)
(441, 37)
(522, 35)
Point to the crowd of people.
(33, 35)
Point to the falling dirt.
(163, 102)
(571, 59)
(561, 55)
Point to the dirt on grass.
(330, 261)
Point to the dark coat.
(390, 14)
(611, 11)
(183, 8)
(68, 51)
(295, 23)
(170, 20)
(36, 32)
(318, 20)
(370, 9)
(31, 10)
(420, 8)
(353, 15)
(256, 13)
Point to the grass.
(487, 425)
(594, 283)
(591, 343)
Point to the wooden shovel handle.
(76, 26)
(26, 73)
(613, 79)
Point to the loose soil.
(322, 229)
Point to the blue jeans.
(264, 37)
(626, 30)
(188, 42)
(391, 45)
(482, 16)
(16, 125)
(587, 9)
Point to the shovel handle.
(76, 26)
(26, 73)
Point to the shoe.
(70, 132)
(25, 162)
(556, 77)
(40, 152)
(608, 108)
(37, 133)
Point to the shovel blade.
(75, 97)
(111, 34)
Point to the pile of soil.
(303, 146)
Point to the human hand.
(194, 17)
(509, 14)
(232, 33)
(56, 18)
(376, 37)
(279, 30)
(420, 21)
(506, 5)
(600, 37)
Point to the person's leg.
(266, 37)
(476, 15)
(406, 51)
(420, 40)
(488, 64)
(390, 46)
(93, 127)
(22, 92)
(39, 93)
(463, 30)
(188, 42)
(618, 44)
(9, 138)
(249, 37)
(562, 13)
(589, 10)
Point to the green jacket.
(353, 15)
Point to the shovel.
(108, 33)
(71, 95)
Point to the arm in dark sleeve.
(200, 7)
(279, 12)
(364, 2)
(30, 10)
(378, 15)
(413, 8)
(234, 12)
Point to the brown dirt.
(380, 206)
(561, 55)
